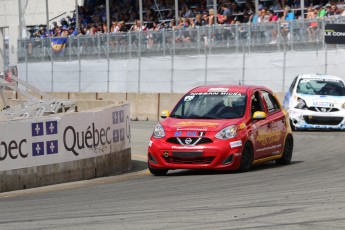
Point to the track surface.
(308, 194)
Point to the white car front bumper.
(307, 119)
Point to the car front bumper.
(218, 155)
(307, 119)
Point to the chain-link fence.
(174, 59)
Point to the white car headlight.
(301, 104)
(227, 132)
(158, 132)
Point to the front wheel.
(158, 172)
(246, 158)
(287, 154)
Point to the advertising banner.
(62, 138)
(335, 33)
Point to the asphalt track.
(308, 194)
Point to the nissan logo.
(188, 141)
(323, 109)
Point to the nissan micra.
(221, 128)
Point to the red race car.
(222, 128)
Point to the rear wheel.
(287, 154)
(246, 158)
(158, 172)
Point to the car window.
(271, 102)
(256, 103)
(292, 86)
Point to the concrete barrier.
(61, 148)
(113, 163)
(144, 106)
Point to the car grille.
(203, 140)
(316, 120)
(323, 109)
(194, 161)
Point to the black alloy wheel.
(246, 158)
(158, 172)
(287, 154)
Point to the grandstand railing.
(258, 37)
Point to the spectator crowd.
(160, 14)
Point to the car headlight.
(301, 104)
(227, 132)
(343, 106)
(158, 132)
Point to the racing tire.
(158, 172)
(246, 158)
(287, 153)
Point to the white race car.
(316, 101)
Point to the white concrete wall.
(157, 75)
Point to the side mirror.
(165, 114)
(259, 115)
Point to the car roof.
(226, 88)
(325, 76)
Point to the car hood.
(322, 100)
(174, 124)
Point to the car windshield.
(224, 105)
(321, 86)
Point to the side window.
(293, 84)
(271, 102)
(256, 103)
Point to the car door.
(276, 125)
(259, 127)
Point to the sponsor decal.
(92, 137)
(51, 127)
(95, 137)
(12, 149)
(218, 90)
(266, 138)
(37, 129)
(323, 104)
(52, 147)
(38, 149)
(186, 147)
(150, 143)
(235, 144)
(268, 148)
(189, 98)
(49, 147)
(335, 33)
(115, 117)
(187, 134)
(216, 93)
(197, 123)
(242, 125)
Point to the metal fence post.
(79, 64)
(244, 63)
(326, 58)
(108, 63)
(139, 60)
(284, 69)
(206, 62)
